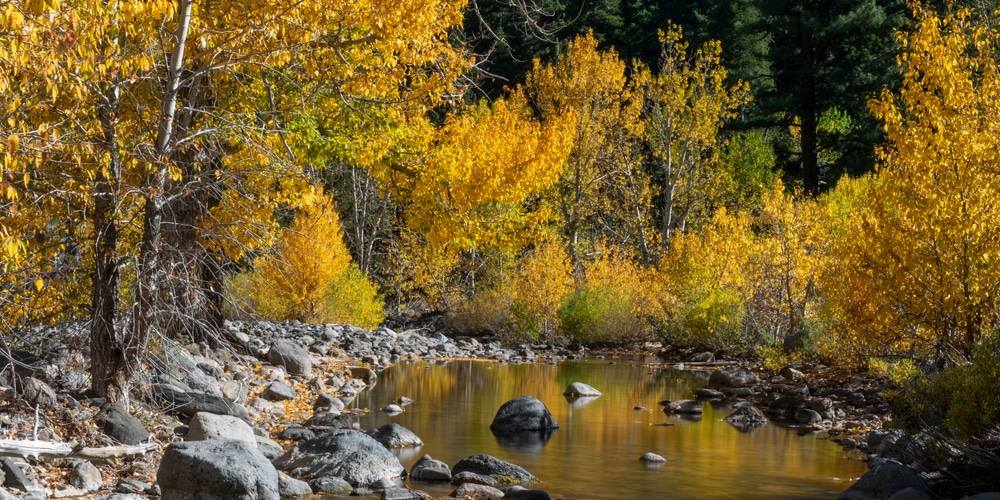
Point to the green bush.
(713, 321)
(961, 398)
(599, 317)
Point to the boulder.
(884, 479)
(328, 421)
(488, 465)
(652, 458)
(296, 434)
(190, 403)
(393, 409)
(351, 455)
(395, 436)
(294, 358)
(211, 426)
(38, 392)
(708, 394)
(791, 374)
(428, 469)
(216, 469)
(523, 414)
(522, 493)
(85, 476)
(730, 378)
(477, 491)
(700, 357)
(121, 425)
(366, 375)
(683, 407)
(746, 413)
(288, 486)
(807, 416)
(472, 477)
(330, 485)
(15, 478)
(399, 493)
(278, 391)
(579, 389)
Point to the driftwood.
(703, 364)
(45, 449)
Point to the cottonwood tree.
(167, 131)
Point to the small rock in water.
(581, 389)
(652, 458)
(403, 401)
(640, 408)
(392, 409)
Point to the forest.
(782, 179)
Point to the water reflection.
(524, 440)
(595, 453)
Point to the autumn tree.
(690, 100)
(172, 130)
(920, 275)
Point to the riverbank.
(288, 380)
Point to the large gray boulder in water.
(352, 455)
(216, 469)
(523, 414)
(731, 378)
(488, 465)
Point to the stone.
(235, 391)
(395, 436)
(708, 394)
(472, 477)
(327, 402)
(294, 358)
(190, 403)
(700, 357)
(366, 375)
(14, 477)
(216, 469)
(38, 392)
(909, 494)
(745, 413)
(428, 469)
(393, 409)
(652, 458)
(85, 476)
(521, 493)
(807, 416)
(121, 425)
(296, 434)
(398, 493)
(791, 374)
(729, 378)
(330, 485)
(579, 389)
(683, 407)
(884, 480)
(288, 486)
(489, 465)
(278, 391)
(351, 455)
(523, 414)
(206, 425)
(326, 421)
(269, 448)
(122, 496)
(477, 491)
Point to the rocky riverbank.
(270, 416)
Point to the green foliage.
(352, 298)
(714, 321)
(598, 316)
(747, 161)
(962, 398)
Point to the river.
(595, 452)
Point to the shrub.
(543, 280)
(598, 316)
(961, 398)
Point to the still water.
(595, 452)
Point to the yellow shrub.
(544, 279)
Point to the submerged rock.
(730, 378)
(683, 407)
(652, 458)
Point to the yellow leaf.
(12, 143)
(39, 284)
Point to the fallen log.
(46, 449)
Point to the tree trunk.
(808, 112)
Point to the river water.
(595, 452)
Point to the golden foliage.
(543, 280)
(920, 273)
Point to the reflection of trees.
(455, 404)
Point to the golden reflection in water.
(595, 453)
